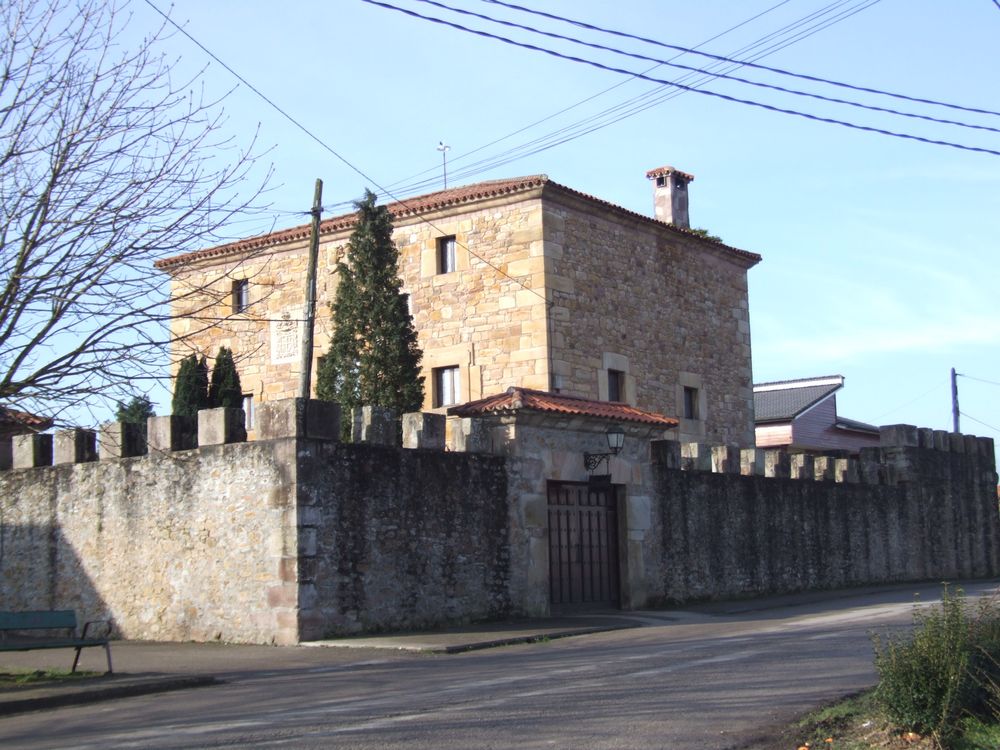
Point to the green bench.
(17, 632)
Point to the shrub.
(943, 671)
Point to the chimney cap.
(668, 170)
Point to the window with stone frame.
(616, 385)
(446, 385)
(241, 295)
(691, 403)
(446, 254)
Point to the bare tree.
(107, 163)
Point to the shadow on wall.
(39, 569)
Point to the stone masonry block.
(941, 440)
(298, 417)
(899, 436)
(666, 452)
(971, 445)
(823, 468)
(752, 462)
(870, 469)
(696, 457)
(75, 446)
(31, 451)
(956, 442)
(777, 464)
(925, 437)
(376, 425)
(725, 459)
(470, 435)
(221, 426)
(120, 440)
(987, 450)
(845, 470)
(424, 430)
(171, 433)
(802, 466)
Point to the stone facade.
(551, 289)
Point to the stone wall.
(923, 506)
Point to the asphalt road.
(712, 679)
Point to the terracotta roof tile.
(441, 199)
(11, 419)
(516, 399)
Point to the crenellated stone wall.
(295, 536)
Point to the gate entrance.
(583, 545)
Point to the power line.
(769, 69)
(656, 95)
(724, 76)
(325, 146)
(718, 95)
(978, 421)
(970, 377)
(911, 401)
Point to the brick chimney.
(670, 195)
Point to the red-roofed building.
(520, 282)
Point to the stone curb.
(49, 698)
(498, 642)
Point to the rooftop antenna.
(444, 149)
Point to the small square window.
(691, 403)
(241, 295)
(248, 410)
(616, 385)
(446, 254)
(447, 390)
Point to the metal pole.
(954, 401)
(444, 149)
(305, 369)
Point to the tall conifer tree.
(191, 387)
(225, 389)
(374, 358)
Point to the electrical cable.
(651, 98)
(934, 387)
(724, 76)
(971, 377)
(769, 69)
(978, 421)
(330, 149)
(715, 94)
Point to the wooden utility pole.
(954, 401)
(305, 370)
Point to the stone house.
(512, 283)
(801, 415)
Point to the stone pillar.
(941, 440)
(845, 471)
(120, 440)
(376, 425)
(899, 436)
(725, 459)
(221, 426)
(925, 437)
(75, 446)
(171, 433)
(666, 452)
(696, 457)
(752, 462)
(870, 470)
(32, 450)
(470, 435)
(424, 430)
(802, 466)
(298, 417)
(824, 468)
(777, 464)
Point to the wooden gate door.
(583, 544)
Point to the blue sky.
(879, 252)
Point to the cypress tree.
(225, 389)
(374, 357)
(191, 387)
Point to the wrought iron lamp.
(616, 439)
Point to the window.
(446, 254)
(446, 386)
(248, 410)
(690, 403)
(241, 295)
(616, 385)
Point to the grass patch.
(14, 679)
